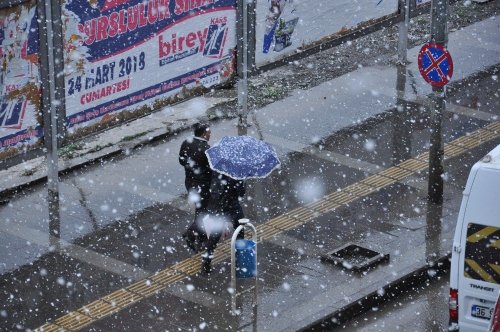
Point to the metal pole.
(433, 233)
(243, 223)
(233, 268)
(251, 39)
(402, 131)
(436, 150)
(50, 105)
(403, 32)
(401, 138)
(439, 34)
(243, 65)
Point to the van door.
(479, 275)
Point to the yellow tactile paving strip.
(396, 173)
(414, 165)
(145, 288)
(166, 277)
(360, 189)
(302, 213)
(378, 181)
(50, 328)
(73, 320)
(98, 309)
(142, 289)
(283, 223)
(451, 151)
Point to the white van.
(475, 260)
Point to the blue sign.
(435, 64)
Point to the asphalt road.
(423, 309)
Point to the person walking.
(198, 177)
(224, 205)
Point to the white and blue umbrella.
(243, 157)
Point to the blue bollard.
(246, 262)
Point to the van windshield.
(482, 253)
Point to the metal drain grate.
(354, 257)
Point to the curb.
(392, 290)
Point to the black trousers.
(203, 190)
(193, 234)
(211, 242)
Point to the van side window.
(482, 253)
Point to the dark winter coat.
(225, 195)
(192, 157)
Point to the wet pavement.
(357, 175)
(412, 311)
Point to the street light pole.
(403, 32)
(53, 100)
(439, 35)
(242, 66)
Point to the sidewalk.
(380, 82)
(296, 289)
(118, 140)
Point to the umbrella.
(243, 157)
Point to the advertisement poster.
(285, 26)
(20, 117)
(124, 54)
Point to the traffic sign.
(435, 64)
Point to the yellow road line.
(142, 289)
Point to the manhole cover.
(354, 257)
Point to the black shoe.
(190, 243)
(198, 246)
(206, 267)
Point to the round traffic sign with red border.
(435, 64)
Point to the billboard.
(20, 98)
(127, 54)
(285, 26)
